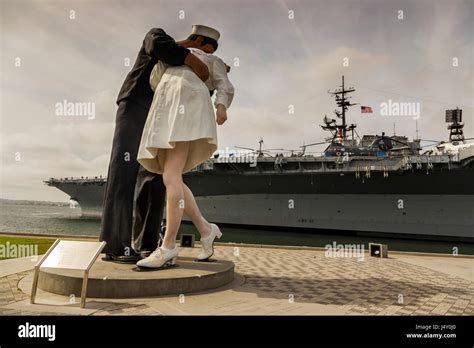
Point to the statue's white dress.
(182, 110)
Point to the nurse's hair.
(206, 40)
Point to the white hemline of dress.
(181, 110)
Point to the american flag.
(366, 109)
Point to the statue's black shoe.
(132, 258)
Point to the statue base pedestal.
(113, 280)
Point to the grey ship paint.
(376, 184)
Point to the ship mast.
(342, 100)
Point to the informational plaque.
(74, 255)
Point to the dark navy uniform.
(127, 181)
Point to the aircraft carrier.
(373, 183)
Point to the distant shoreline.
(32, 202)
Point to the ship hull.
(435, 203)
(440, 182)
(90, 196)
(427, 215)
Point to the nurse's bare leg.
(174, 163)
(192, 210)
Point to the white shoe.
(159, 258)
(207, 244)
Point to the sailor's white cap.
(206, 31)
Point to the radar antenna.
(455, 126)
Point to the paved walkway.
(276, 281)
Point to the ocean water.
(45, 219)
(36, 218)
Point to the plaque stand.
(73, 255)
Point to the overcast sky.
(76, 51)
